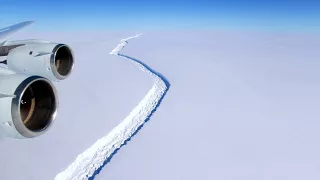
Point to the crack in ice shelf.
(91, 161)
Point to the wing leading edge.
(6, 33)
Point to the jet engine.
(33, 108)
(28, 98)
(50, 60)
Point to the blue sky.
(165, 14)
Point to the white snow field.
(93, 158)
(241, 105)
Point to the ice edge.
(90, 161)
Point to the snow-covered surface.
(242, 105)
(93, 158)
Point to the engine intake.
(62, 61)
(35, 106)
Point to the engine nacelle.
(33, 109)
(50, 60)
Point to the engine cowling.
(33, 109)
(50, 60)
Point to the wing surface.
(7, 32)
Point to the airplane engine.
(50, 60)
(33, 109)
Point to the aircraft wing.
(6, 33)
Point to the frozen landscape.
(241, 105)
(93, 160)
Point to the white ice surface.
(242, 105)
(90, 160)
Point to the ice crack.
(91, 161)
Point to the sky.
(165, 14)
